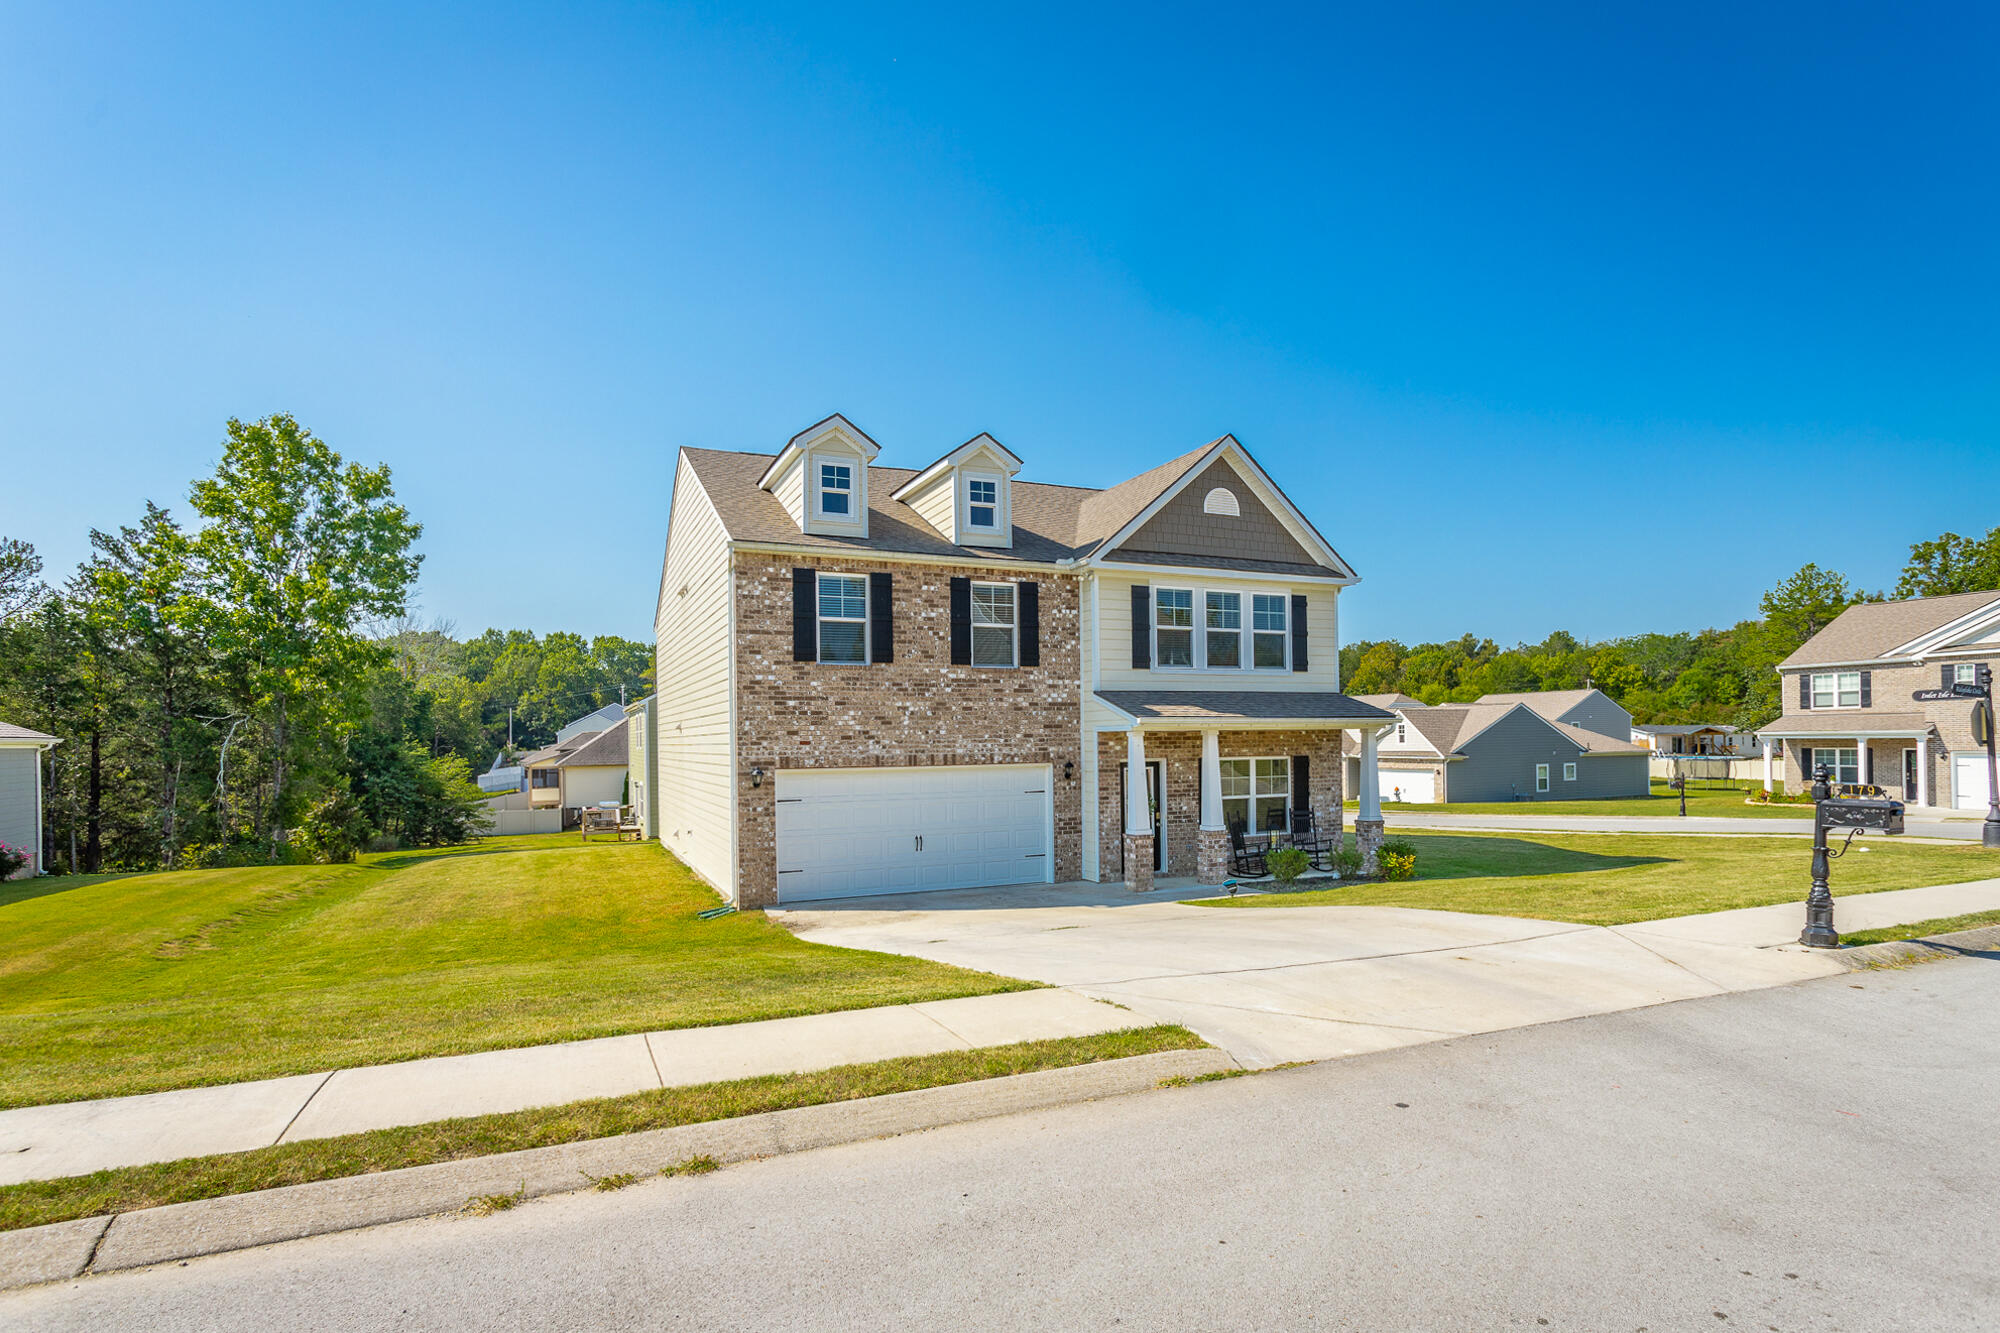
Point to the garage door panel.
(853, 833)
(1969, 781)
(1417, 787)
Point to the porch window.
(992, 624)
(544, 778)
(1257, 794)
(1223, 637)
(843, 618)
(836, 489)
(1836, 689)
(1841, 765)
(1268, 628)
(1173, 627)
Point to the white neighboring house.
(21, 753)
(586, 768)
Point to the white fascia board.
(812, 435)
(1979, 618)
(1211, 574)
(1004, 459)
(867, 553)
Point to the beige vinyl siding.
(692, 706)
(934, 504)
(791, 491)
(1114, 636)
(593, 784)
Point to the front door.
(1910, 775)
(1153, 779)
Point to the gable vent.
(1221, 500)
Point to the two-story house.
(1532, 746)
(877, 680)
(1848, 704)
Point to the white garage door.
(1417, 787)
(848, 833)
(1968, 781)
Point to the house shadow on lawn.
(1443, 856)
(21, 890)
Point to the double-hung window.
(1268, 631)
(1842, 765)
(843, 618)
(1222, 635)
(1173, 627)
(1966, 673)
(836, 489)
(1257, 794)
(993, 624)
(1541, 777)
(1569, 772)
(982, 504)
(1836, 689)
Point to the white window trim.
(1250, 828)
(1000, 515)
(1541, 777)
(1013, 631)
(1834, 690)
(1813, 760)
(1247, 615)
(1241, 632)
(817, 480)
(1569, 770)
(1964, 673)
(820, 619)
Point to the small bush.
(1397, 858)
(1346, 861)
(12, 858)
(1287, 864)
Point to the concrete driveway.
(1271, 985)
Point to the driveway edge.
(1900, 953)
(65, 1250)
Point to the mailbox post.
(1853, 815)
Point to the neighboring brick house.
(1847, 699)
(1537, 746)
(876, 680)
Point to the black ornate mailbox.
(1853, 814)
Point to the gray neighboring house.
(1548, 745)
(21, 791)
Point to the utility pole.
(510, 728)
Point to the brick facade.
(1180, 752)
(917, 710)
(1890, 689)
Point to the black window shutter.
(1805, 692)
(1867, 689)
(805, 615)
(1298, 632)
(1029, 598)
(961, 622)
(1142, 627)
(1945, 675)
(1302, 798)
(881, 618)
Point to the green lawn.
(121, 984)
(1917, 930)
(1726, 802)
(1610, 879)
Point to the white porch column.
(1767, 764)
(1138, 815)
(1923, 770)
(1211, 781)
(1371, 780)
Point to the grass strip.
(1918, 930)
(122, 1189)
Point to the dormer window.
(836, 489)
(982, 499)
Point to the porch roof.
(1210, 708)
(1846, 725)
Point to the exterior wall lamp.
(756, 777)
(1069, 769)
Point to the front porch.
(1900, 756)
(1214, 761)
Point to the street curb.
(64, 1250)
(1899, 953)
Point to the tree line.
(251, 686)
(1711, 675)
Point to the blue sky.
(1551, 319)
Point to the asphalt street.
(1816, 1156)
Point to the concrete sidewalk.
(1958, 826)
(71, 1138)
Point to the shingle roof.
(1128, 556)
(1869, 630)
(1104, 512)
(1390, 700)
(10, 732)
(1596, 742)
(1450, 726)
(1243, 705)
(608, 748)
(1844, 724)
(1551, 704)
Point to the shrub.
(1398, 859)
(332, 826)
(12, 858)
(1287, 864)
(1346, 861)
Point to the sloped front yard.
(112, 986)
